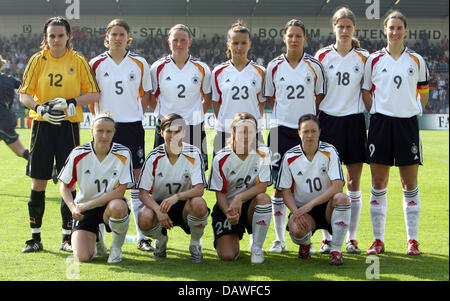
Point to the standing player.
(57, 73)
(240, 175)
(124, 78)
(8, 119)
(294, 85)
(171, 187)
(236, 84)
(341, 116)
(311, 180)
(103, 170)
(182, 85)
(395, 91)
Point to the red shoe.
(303, 251)
(413, 247)
(376, 248)
(336, 258)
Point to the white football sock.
(326, 235)
(260, 224)
(378, 210)
(197, 227)
(136, 205)
(355, 203)
(155, 232)
(119, 228)
(411, 211)
(305, 240)
(279, 210)
(340, 219)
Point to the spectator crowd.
(18, 49)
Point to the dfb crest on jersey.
(131, 76)
(186, 175)
(71, 70)
(323, 169)
(254, 82)
(308, 78)
(196, 80)
(356, 69)
(411, 71)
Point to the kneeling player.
(311, 180)
(240, 176)
(103, 170)
(171, 186)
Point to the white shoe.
(196, 253)
(161, 248)
(102, 249)
(325, 247)
(257, 256)
(100, 245)
(278, 247)
(312, 250)
(115, 255)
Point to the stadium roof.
(411, 8)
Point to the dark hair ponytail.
(57, 21)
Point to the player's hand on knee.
(53, 116)
(60, 103)
(165, 220)
(166, 204)
(233, 218)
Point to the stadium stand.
(19, 48)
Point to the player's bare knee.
(297, 230)
(379, 182)
(198, 207)
(227, 255)
(83, 257)
(340, 199)
(262, 199)
(146, 218)
(117, 208)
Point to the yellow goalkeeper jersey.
(46, 78)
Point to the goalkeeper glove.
(60, 103)
(53, 116)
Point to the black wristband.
(72, 100)
(35, 108)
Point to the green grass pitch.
(394, 265)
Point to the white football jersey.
(122, 85)
(95, 178)
(344, 80)
(162, 179)
(309, 179)
(395, 84)
(294, 89)
(181, 91)
(231, 176)
(237, 92)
